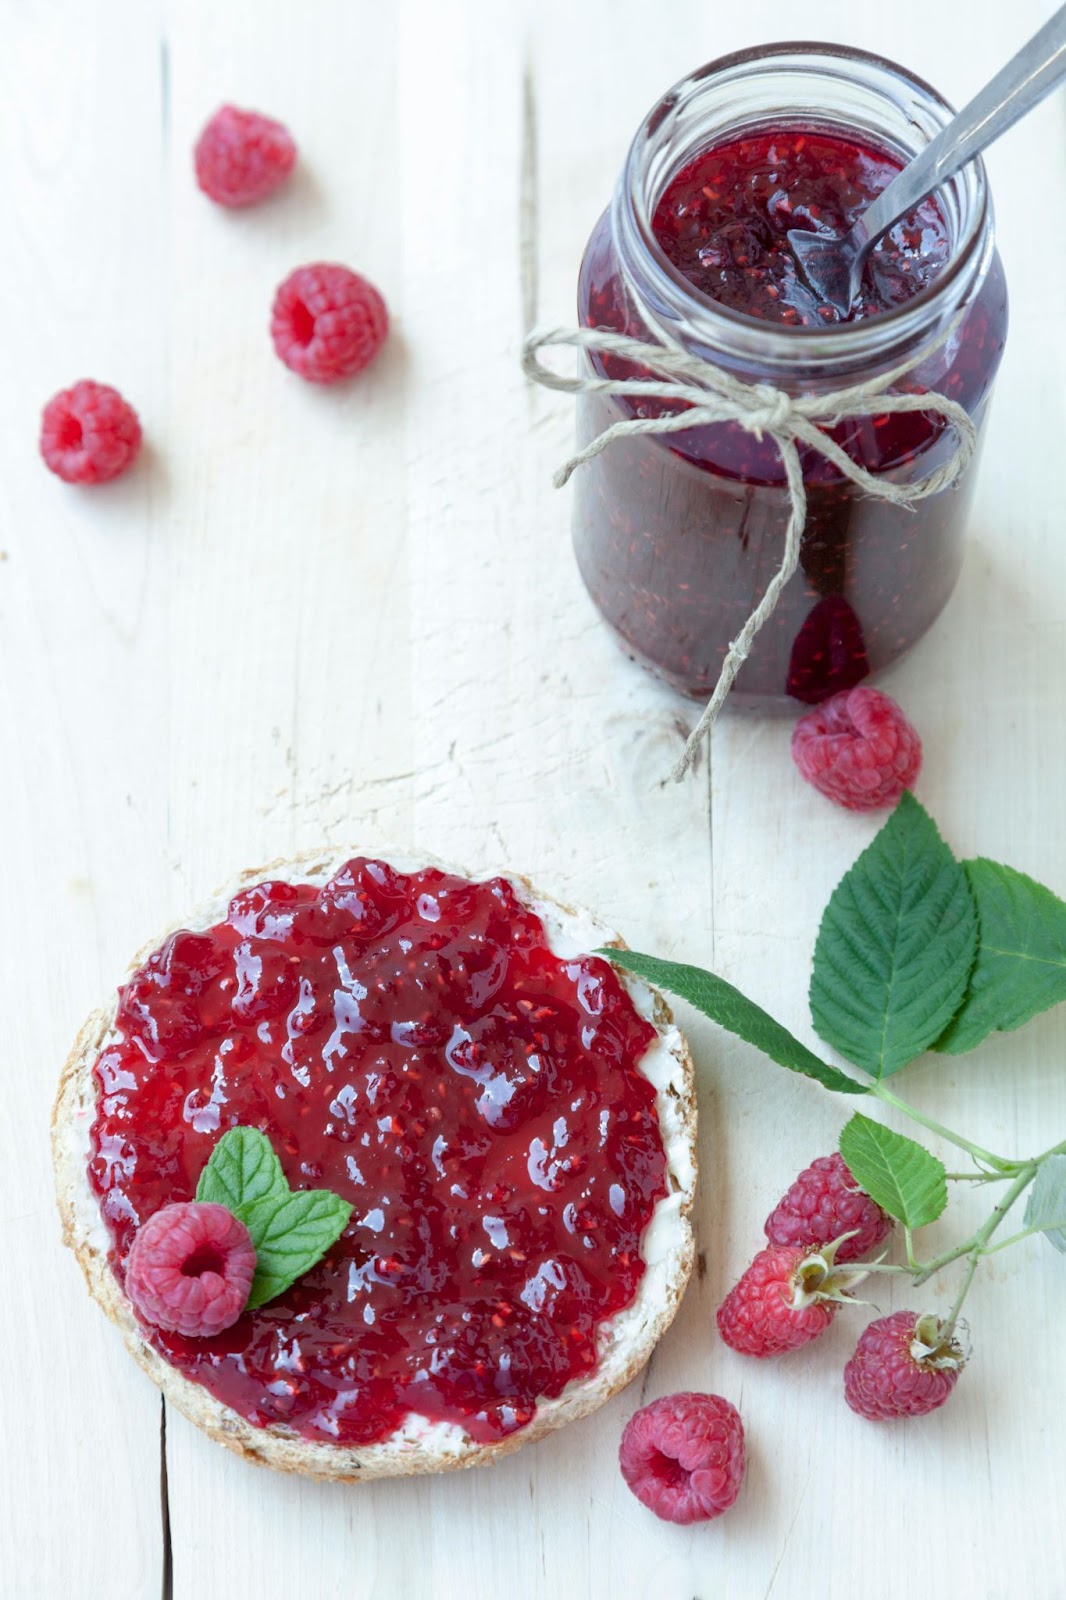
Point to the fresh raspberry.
(824, 1203)
(683, 1456)
(327, 323)
(780, 1302)
(241, 157)
(89, 433)
(903, 1366)
(858, 749)
(191, 1268)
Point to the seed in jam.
(723, 221)
(410, 1042)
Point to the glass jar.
(677, 535)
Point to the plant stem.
(948, 1327)
(981, 1238)
(1026, 1233)
(977, 1177)
(1056, 1150)
(1001, 1163)
(974, 1247)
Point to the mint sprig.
(291, 1229)
(895, 948)
(242, 1170)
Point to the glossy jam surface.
(678, 535)
(411, 1042)
(723, 221)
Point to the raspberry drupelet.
(89, 433)
(327, 322)
(241, 157)
(683, 1456)
(190, 1269)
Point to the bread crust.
(417, 1447)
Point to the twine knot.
(709, 394)
(771, 410)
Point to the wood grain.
(326, 615)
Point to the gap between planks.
(167, 1583)
(528, 202)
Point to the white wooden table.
(354, 616)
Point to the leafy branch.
(916, 952)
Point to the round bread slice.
(625, 1341)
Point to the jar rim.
(742, 335)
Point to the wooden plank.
(498, 621)
(985, 691)
(83, 808)
(553, 749)
(291, 683)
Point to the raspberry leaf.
(896, 946)
(900, 1174)
(1046, 1209)
(291, 1229)
(734, 1011)
(1021, 956)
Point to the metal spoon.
(832, 265)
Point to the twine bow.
(713, 395)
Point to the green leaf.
(734, 1011)
(895, 947)
(1021, 956)
(243, 1169)
(291, 1236)
(901, 1175)
(1046, 1209)
(291, 1229)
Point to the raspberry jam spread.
(678, 535)
(412, 1043)
(723, 221)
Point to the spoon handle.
(1028, 77)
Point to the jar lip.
(751, 334)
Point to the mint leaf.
(1021, 956)
(895, 947)
(242, 1170)
(734, 1011)
(291, 1236)
(1046, 1209)
(291, 1229)
(900, 1174)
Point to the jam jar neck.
(831, 88)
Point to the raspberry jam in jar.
(678, 535)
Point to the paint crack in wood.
(528, 220)
(164, 94)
